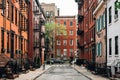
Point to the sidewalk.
(31, 75)
(88, 74)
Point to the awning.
(3, 60)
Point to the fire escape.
(37, 36)
(23, 21)
(23, 27)
(36, 29)
(80, 31)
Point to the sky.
(67, 7)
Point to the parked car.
(49, 62)
(57, 61)
(61, 61)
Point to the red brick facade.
(66, 46)
(14, 30)
(86, 30)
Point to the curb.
(81, 73)
(42, 73)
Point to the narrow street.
(62, 72)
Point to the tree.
(51, 30)
(117, 5)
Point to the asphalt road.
(61, 72)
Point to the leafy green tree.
(51, 30)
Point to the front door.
(93, 53)
(12, 45)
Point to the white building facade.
(113, 36)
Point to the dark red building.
(65, 46)
(86, 31)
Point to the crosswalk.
(61, 65)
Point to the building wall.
(50, 7)
(86, 31)
(100, 35)
(60, 20)
(112, 32)
(14, 46)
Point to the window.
(16, 42)
(71, 52)
(110, 46)
(64, 23)
(58, 52)
(58, 23)
(47, 14)
(24, 45)
(102, 21)
(19, 43)
(71, 42)
(99, 49)
(12, 14)
(7, 41)
(116, 45)
(65, 52)
(2, 40)
(58, 33)
(99, 1)
(116, 10)
(71, 32)
(24, 22)
(64, 42)
(15, 16)
(51, 13)
(99, 24)
(58, 42)
(110, 15)
(19, 22)
(7, 10)
(71, 23)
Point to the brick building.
(38, 34)
(100, 35)
(86, 31)
(14, 31)
(66, 46)
(50, 10)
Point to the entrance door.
(93, 54)
(12, 45)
